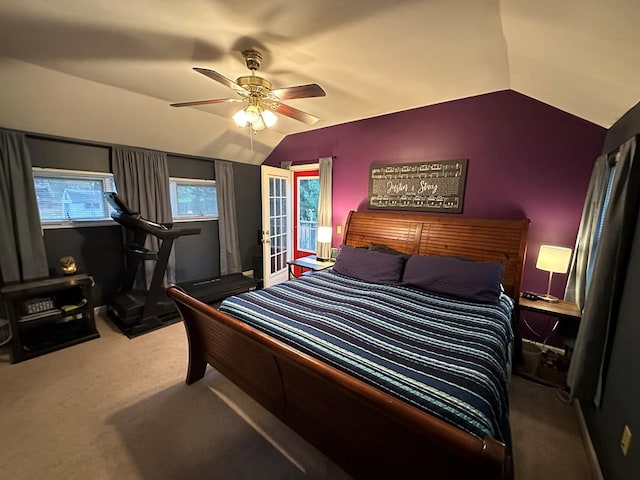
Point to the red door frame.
(297, 253)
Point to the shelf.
(32, 317)
(47, 316)
(69, 323)
(543, 364)
(54, 336)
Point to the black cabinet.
(49, 314)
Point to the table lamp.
(553, 259)
(324, 239)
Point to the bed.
(379, 427)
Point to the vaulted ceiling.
(106, 71)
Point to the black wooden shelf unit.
(49, 314)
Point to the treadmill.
(136, 311)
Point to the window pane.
(604, 206)
(196, 200)
(70, 198)
(192, 198)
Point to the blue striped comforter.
(444, 356)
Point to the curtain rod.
(93, 143)
(311, 160)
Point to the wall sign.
(423, 186)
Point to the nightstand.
(567, 315)
(310, 263)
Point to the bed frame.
(369, 433)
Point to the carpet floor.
(118, 408)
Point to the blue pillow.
(467, 280)
(369, 265)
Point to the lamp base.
(549, 298)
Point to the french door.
(276, 224)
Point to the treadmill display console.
(118, 204)
(122, 208)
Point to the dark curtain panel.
(22, 254)
(142, 180)
(230, 261)
(590, 359)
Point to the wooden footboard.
(364, 430)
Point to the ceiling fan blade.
(293, 113)
(223, 80)
(299, 91)
(205, 102)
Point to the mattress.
(445, 356)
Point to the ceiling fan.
(262, 100)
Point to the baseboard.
(586, 439)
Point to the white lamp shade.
(324, 234)
(269, 118)
(240, 118)
(553, 259)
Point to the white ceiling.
(106, 70)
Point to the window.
(193, 199)
(600, 223)
(72, 197)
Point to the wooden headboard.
(481, 239)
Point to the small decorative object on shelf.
(37, 305)
(553, 367)
(68, 265)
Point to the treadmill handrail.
(155, 229)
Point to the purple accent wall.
(526, 158)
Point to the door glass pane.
(278, 222)
(308, 196)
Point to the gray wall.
(626, 127)
(98, 250)
(620, 404)
(248, 210)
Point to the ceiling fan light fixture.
(269, 118)
(256, 116)
(253, 114)
(241, 118)
(258, 124)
